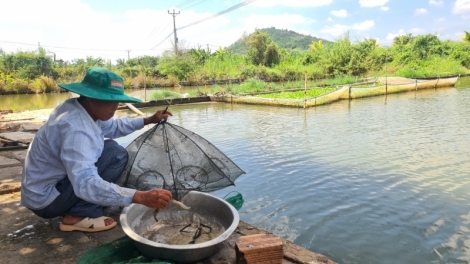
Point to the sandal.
(89, 225)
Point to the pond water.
(375, 180)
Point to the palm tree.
(316, 46)
(466, 37)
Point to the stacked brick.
(259, 249)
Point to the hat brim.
(91, 92)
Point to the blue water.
(375, 180)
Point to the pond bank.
(377, 86)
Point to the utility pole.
(128, 56)
(174, 29)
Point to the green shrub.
(17, 86)
(37, 86)
(49, 84)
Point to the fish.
(196, 235)
(180, 204)
(155, 214)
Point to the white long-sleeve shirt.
(69, 144)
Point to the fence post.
(305, 91)
(349, 92)
(416, 84)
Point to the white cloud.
(329, 19)
(436, 3)
(441, 19)
(372, 3)
(296, 3)
(385, 8)
(366, 25)
(461, 6)
(285, 21)
(338, 30)
(77, 31)
(339, 13)
(417, 31)
(465, 17)
(335, 31)
(392, 36)
(459, 35)
(420, 11)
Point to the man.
(71, 170)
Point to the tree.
(403, 39)
(262, 50)
(466, 38)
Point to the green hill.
(284, 38)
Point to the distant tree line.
(409, 56)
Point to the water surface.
(374, 180)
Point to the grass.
(297, 95)
(164, 94)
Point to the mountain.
(284, 38)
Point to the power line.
(207, 18)
(159, 32)
(194, 5)
(66, 48)
(159, 43)
(184, 3)
(244, 3)
(55, 47)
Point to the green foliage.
(410, 56)
(49, 84)
(250, 86)
(431, 67)
(466, 38)
(458, 51)
(403, 40)
(178, 66)
(262, 50)
(18, 86)
(27, 65)
(200, 55)
(37, 86)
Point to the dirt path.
(10, 122)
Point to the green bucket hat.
(101, 84)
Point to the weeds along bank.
(409, 56)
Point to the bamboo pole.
(133, 108)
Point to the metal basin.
(136, 217)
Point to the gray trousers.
(110, 166)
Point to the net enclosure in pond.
(171, 157)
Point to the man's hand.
(156, 198)
(160, 115)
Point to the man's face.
(102, 110)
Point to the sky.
(122, 29)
